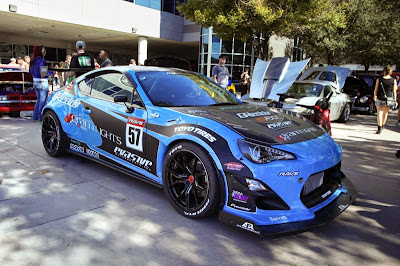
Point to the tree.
(253, 20)
(374, 33)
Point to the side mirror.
(123, 99)
(120, 98)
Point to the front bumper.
(321, 216)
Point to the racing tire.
(345, 115)
(54, 139)
(371, 108)
(14, 114)
(190, 181)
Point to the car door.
(335, 102)
(114, 130)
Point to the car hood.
(293, 102)
(259, 123)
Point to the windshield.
(299, 90)
(177, 89)
(312, 76)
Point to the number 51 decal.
(134, 133)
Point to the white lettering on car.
(67, 99)
(196, 130)
(287, 136)
(133, 158)
(252, 114)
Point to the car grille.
(320, 186)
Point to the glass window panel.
(155, 4)
(216, 44)
(248, 47)
(238, 59)
(51, 54)
(62, 53)
(20, 50)
(168, 6)
(226, 46)
(247, 60)
(239, 47)
(205, 30)
(143, 3)
(214, 58)
(236, 72)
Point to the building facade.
(138, 29)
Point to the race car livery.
(263, 170)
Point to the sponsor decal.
(234, 166)
(133, 158)
(75, 141)
(199, 211)
(268, 118)
(175, 149)
(233, 205)
(280, 125)
(196, 111)
(239, 197)
(110, 136)
(196, 130)
(92, 153)
(252, 114)
(343, 207)
(278, 218)
(80, 122)
(77, 148)
(236, 126)
(326, 194)
(287, 136)
(134, 133)
(294, 173)
(67, 99)
(248, 226)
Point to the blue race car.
(263, 170)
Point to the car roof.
(322, 82)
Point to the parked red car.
(16, 91)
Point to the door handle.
(87, 110)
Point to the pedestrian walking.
(220, 73)
(245, 82)
(27, 60)
(82, 59)
(40, 84)
(104, 56)
(384, 96)
(132, 62)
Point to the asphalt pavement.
(72, 211)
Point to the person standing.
(21, 62)
(40, 84)
(82, 59)
(27, 60)
(220, 73)
(104, 56)
(132, 62)
(245, 82)
(385, 88)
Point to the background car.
(16, 91)
(361, 94)
(262, 170)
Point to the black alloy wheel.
(190, 181)
(53, 137)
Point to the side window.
(327, 90)
(329, 76)
(108, 85)
(85, 86)
(312, 76)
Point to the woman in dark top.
(385, 87)
(41, 85)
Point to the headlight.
(363, 99)
(262, 154)
(3, 97)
